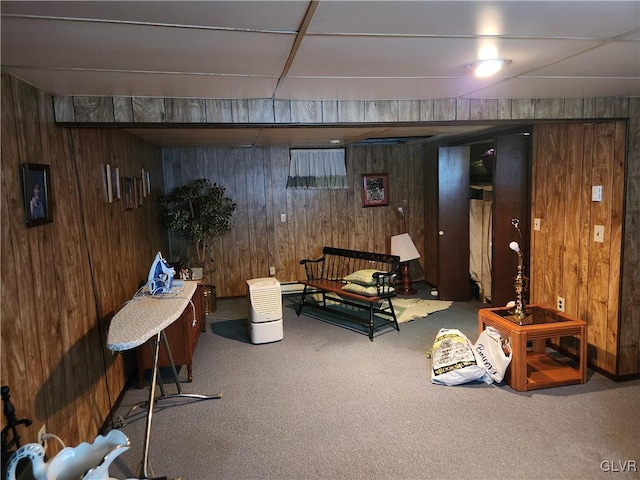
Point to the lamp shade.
(403, 246)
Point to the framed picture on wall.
(115, 184)
(107, 183)
(139, 191)
(143, 180)
(375, 189)
(147, 183)
(128, 194)
(36, 188)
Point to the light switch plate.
(596, 193)
(598, 233)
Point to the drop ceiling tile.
(234, 64)
(615, 59)
(271, 15)
(197, 136)
(421, 57)
(68, 44)
(320, 137)
(560, 88)
(377, 88)
(63, 83)
(296, 137)
(588, 19)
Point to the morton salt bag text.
(453, 361)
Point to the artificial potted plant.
(200, 212)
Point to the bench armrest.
(385, 281)
(314, 269)
(384, 278)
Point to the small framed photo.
(128, 193)
(36, 188)
(115, 184)
(139, 191)
(107, 183)
(143, 179)
(375, 189)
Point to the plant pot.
(210, 299)
(197, 273)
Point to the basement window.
(317, 168)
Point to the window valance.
(318, 168)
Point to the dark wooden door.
(510, 200)
(453, 223)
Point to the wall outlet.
(560, 304)
(536, 224)
(283, 217)
(598, 233)
(272, 270)
(41, 433)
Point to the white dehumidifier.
(264, 299)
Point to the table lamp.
(403, 246)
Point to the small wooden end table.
(535, 368)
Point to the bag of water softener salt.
(494, 353)
(452, 359)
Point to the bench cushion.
(362, 277)
(367, 291)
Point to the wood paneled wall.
(565, 259)
(629, 346)
(132, 111)
(62, 280)
(256, 179)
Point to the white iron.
(160, 276)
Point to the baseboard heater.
(291, 288)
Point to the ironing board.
(144, 317)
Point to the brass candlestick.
(521, 282)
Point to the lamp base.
(409, 291)
(403, 287)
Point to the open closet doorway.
(503, 195)
(480, 219)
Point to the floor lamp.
(403, 246)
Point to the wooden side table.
(535, 368)
(182, 335)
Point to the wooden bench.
(335, 269)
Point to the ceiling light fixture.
(485, 68)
